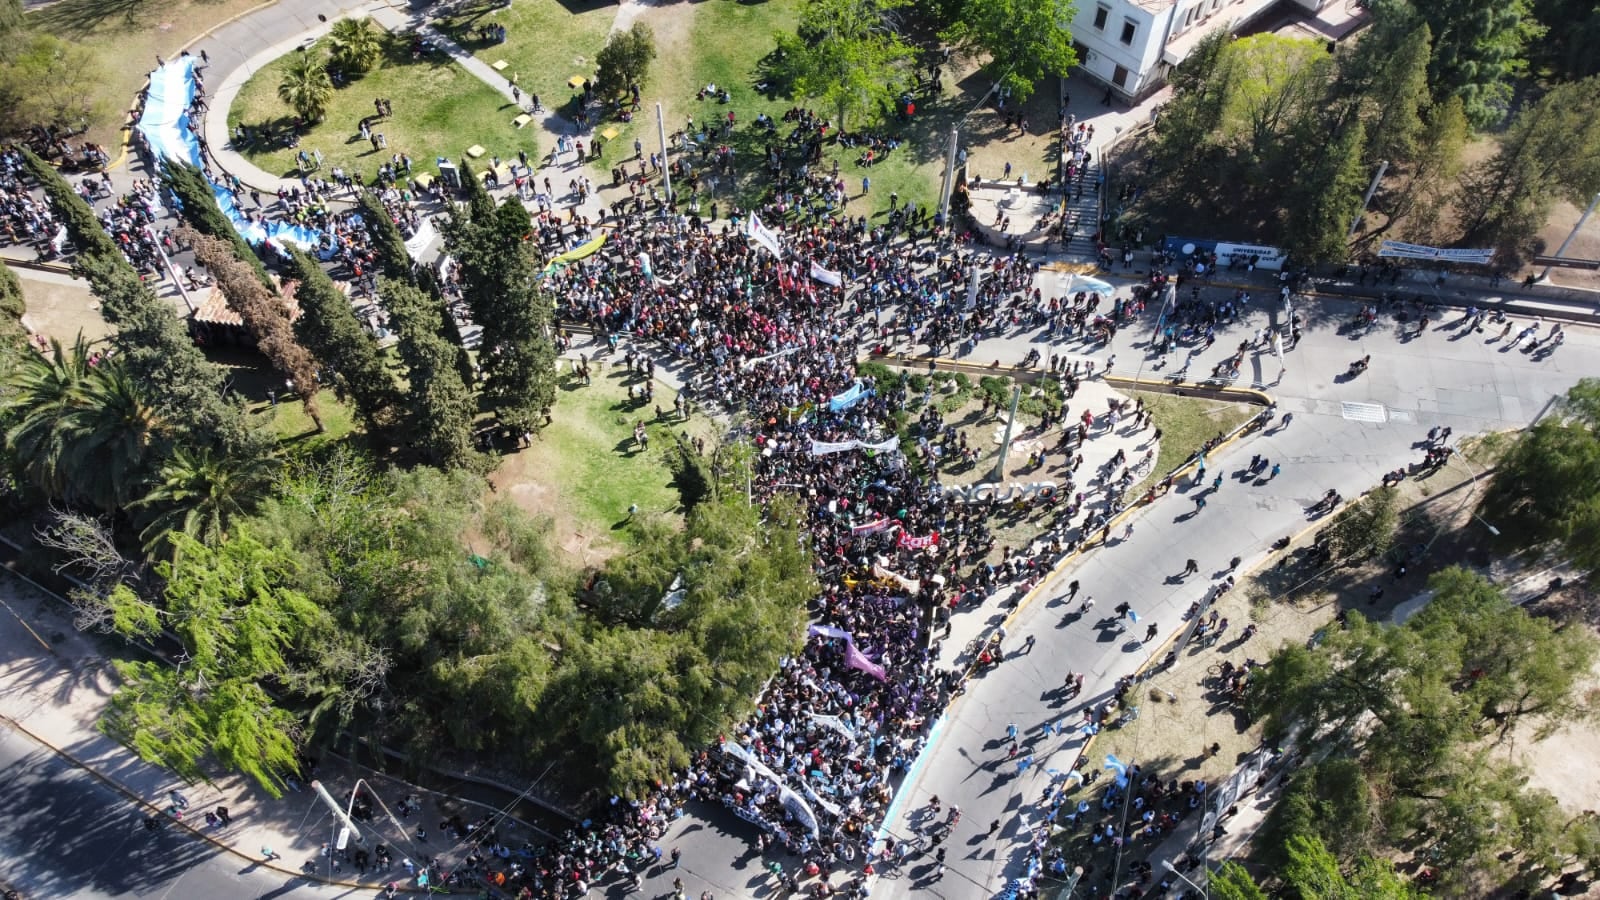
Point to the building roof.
(214, 308)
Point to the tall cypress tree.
(328, 327)
(198, 206)
(386, 238)
(517, 355)
(439, 407)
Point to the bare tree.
(87, 551)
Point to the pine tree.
(156, 346)
(386, 238)
(517, 354)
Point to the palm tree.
(41, 393)
(112, 437)
(306, 86)
(356, 47)
(199, 494)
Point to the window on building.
(1119, 77)
(1100, 15)
(1129, 28)
(1188, 18)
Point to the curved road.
(1345, 433)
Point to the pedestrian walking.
(1027, 645)
(1216, 484)
(677, 856)
(1011, 732)
(1149, 634)
(1199, 503)
(1127, 531)
(994, 826)
(224, 815)
(1276, 469)
(1072, 590)
(1191, 567)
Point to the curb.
(144, 805)
(128, 121)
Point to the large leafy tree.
(625, 59)
(1477, 49)
(305, 85)
(1383, 81)
(1416, 708)
(1025, 40)
(45, 80)
(1552, 151)
(354, 47)
(1326, 198)
(847, 55)
(469, 631)
(265, 317)
(12, 306)
(1570, 46)
(328, 327)
(1547, 487)
(681, 674)
(241, 620)
(438, 406)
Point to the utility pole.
(666, 171)
(949, 176)
(340, 814)
(1574, 233)
(1005, 442)
(1371, 189)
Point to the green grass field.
(126, 36)
(546, 43)
(1186, 423)
(584, 470)
(440, 109)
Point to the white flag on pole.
(763, 235)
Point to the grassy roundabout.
(440, 109)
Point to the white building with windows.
(1132, 44)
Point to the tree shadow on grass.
(76, 18)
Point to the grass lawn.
(723, 42)
(1186, 423)
(584, 471)
(251, 377)
(546, 43)
(127, 36)
(440, 109)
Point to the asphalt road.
(65, 834)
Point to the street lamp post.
(1167, 864)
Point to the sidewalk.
(54, 685)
